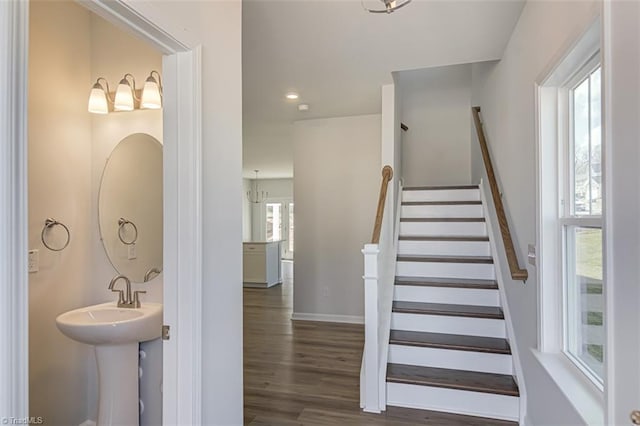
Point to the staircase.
(448, 349)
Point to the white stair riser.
(451, 359)
(460, 210)
(448, 324)
(479, 271)
(445, 248)
(453, 296)
(454, 229)
(442, 195)
(453, 401)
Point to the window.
(274, 221)
(290, 228)
(580, 222)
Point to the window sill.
(586, 398)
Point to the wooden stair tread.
(453, 379)
(444, 259)
(442, 219)
(490, 312)
(450, 341)
(441, 203)
(437, 188)
(442, 238)
(447, 282)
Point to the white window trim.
(585, 395)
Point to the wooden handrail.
(517, 273)
(387, 175)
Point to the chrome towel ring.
(50, 223)
(122, 222)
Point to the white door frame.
(182, 354)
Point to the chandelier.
(255, 195)
(389, 6)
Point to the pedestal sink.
(115, 334)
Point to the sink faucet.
(125, 300)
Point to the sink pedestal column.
(118, 397)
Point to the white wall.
(336, 183)
(206, 24)
(276, 189)
(59, 187)
(622, 206)
(436, 106)
(506, 95)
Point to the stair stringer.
(515, 356)
(385, 331)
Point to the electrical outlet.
(132, 253)
(34, 261)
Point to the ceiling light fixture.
(389, 6)
(254, 195)
(126, 97)
(292, 95)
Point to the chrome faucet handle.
(124, 301)
(120, 295)
(136, 297)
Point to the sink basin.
(106, 324)
(115, 333)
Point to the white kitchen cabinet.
(261, 264)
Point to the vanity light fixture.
(126, 97)
(99, 98)
(125, 94)
(152, 92)
(292, 96)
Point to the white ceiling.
(336, 56)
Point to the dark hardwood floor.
(307, 373)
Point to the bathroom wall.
(59, 187)
(110, 60)
(68, 148)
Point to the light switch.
(132, 253)
(531, 256)
(34, 261)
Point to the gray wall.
(336, 184)
(435, 105)
(506, 96)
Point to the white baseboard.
(350, 319)
(88, 423)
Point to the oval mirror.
(130, 207)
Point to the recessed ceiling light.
(292, 95)
(303, 107)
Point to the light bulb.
(151, 97)
(124, 97)
(98, 100)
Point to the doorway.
(182, 101)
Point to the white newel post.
(369, 391)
